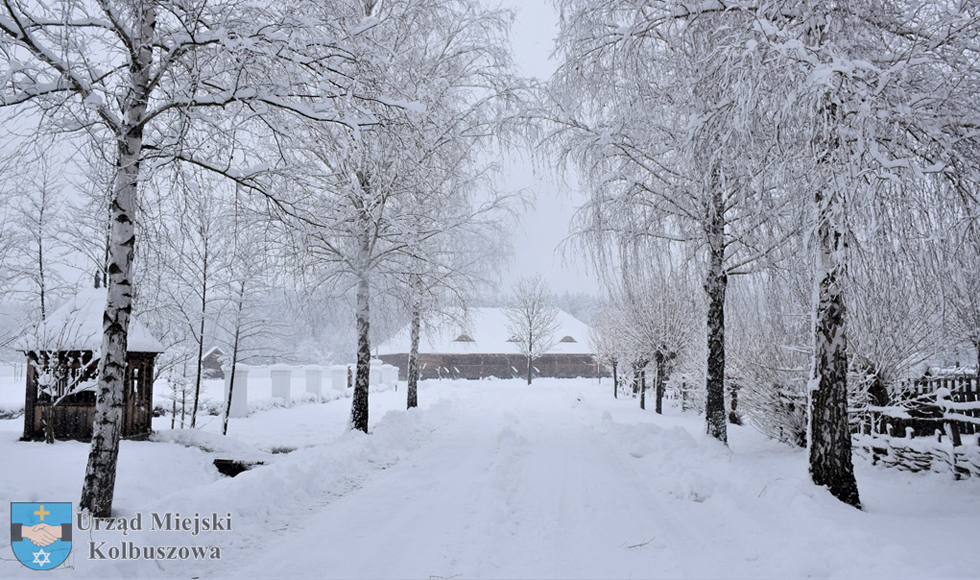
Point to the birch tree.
(662, 321)
(606, 340)
(532, 320)
(189, 236)
(645, 110)
(456, 227)
(444, 274)
(862, 62)
(895, 305)
(145, 76)
(448, 63)
(245, 290)
(36, 249)
(827, 86)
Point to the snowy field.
(496, 479)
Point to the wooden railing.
(933, 426)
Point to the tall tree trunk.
(41, 284)
(200, 336)
(362, 378)
(173, 411)
(661, 369)
(643, 390)
(615, 381)
(234, 357)
(47, 411)
(183, 395)
(733, 417)
(717, 282)
(829, 432)
(529, 370)
(413, 356)
(100, 472)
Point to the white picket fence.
(281, 377)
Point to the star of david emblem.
(41, 557)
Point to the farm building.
(62, 367)
(480, 346)
(211, 363)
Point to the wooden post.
(30, 397)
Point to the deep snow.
(494, 478)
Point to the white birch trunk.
(829, 436)
(716, 286)
(362, 378)
(413, 356)
(100, 472)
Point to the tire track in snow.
(510, 485)
(583, 504)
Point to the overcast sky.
(543, 227)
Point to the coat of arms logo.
(40, 533)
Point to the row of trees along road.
(766, 139)
(755, 149)
(346, 137)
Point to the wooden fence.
(933, 425)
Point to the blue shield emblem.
(40, 533)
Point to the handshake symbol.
(42, 534)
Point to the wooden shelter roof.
(77, 326)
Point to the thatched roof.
(484, 331)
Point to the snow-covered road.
(541, 481)
(497, 479)
(502, 490)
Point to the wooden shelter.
(62, 368)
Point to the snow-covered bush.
(770, 353)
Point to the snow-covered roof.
(78, 326)
(484, 331)
(213, 350)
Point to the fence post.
(314, 380)
(338, 377)
(239, 399)
(389, 375)
(281, 377)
